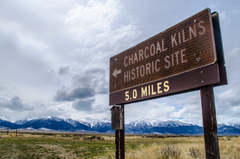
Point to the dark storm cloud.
(15, 104)
(94, 78)
(63, 70)
(87, 84)
(83, 105)
(66, 94)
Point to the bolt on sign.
(153, 67)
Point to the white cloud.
(189, 109)
(230, 96)
(224, 19)
(148, 110)
(228, 104)
(233, 64)
(101, 103)
(93, 20)
(95, 26)
(61, 108)
(233, 57)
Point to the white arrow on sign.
(116, 72)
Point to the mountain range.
(89, 125)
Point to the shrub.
(194, 152)
(161, 136)
(93, 137)
(76, 138)
(168, 152)
(80, 135)
(66, 135)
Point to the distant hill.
(104, 126)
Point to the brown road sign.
(176, 84)
(187, 46)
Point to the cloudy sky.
(54, 56)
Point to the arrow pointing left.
(116, 72)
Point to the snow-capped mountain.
(10, 119)
(157, 123)
(94, 122)
(144, 126)
(4, 124)
(23, 120)
(162, 127)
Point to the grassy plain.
(72, 145)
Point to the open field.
(51, 145)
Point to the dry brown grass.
(229, 147)
(70, 145)
(192, 147)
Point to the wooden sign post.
(207, 98)
(209, 122)
(117, 121)
(186, 57)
